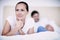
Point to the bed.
(35, 36)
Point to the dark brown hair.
(27, 8)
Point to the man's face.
(36, 17)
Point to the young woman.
(19, 24)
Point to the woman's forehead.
(21, 5)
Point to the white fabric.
(43, 22)
(29, 23)
(36, 36)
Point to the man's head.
(35, 15)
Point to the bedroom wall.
(51, 13)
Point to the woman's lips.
(19, 15)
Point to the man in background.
(41, 24)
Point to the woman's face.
(21, 11)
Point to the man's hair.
(34, 12)
(27, 8)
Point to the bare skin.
(49, 28)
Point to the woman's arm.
(7, 30)
(31, 30)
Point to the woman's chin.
(20, 18)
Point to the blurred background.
(47, 8)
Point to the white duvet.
(35, 36)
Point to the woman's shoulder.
(30, 22)
(11, 19)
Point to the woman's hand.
(19, 25)
(21, 32)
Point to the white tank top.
(29, 23)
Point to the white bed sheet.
(35, 36)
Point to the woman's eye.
(22, 10)
(17, 9)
